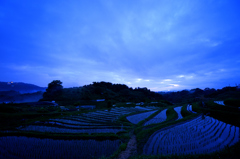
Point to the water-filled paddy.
(13, 147)
(200, 135)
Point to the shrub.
(171, 114)
(123, 146)
(232, 102)
(184, 111)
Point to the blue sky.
(158, 44)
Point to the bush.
(196, 107)
(171, 114)
(232, 102)
(42, 110)
(123, 146)
(184, 111)
(77, 104)
(4, 108)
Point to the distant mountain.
(16, 97)
(197, 94)
(20, 87)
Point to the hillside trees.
(197, 94)
(99, 90)
(232, 102)
(54, 91)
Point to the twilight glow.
(158, 44)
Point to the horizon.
(12, 82)
(161, 45)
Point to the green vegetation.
(197, 94)
(202, 101)
(117, 153)
(123, 146)
(232, 102)
(140, 124)
(144, 132)
(14, 115)
(196, 108)
(230, 115)
(14, 112)
(85, 136)
(25, 147)
(112, 93)
(184, 111)
(171, 114)
(227, 153)
(54, 91)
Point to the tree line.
(197, 94)
(99, 90)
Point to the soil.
(130, 150)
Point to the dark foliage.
(195, 95)
(54, 91)
(112, 93)
(232, 102)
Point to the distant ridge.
(20, 87)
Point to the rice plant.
(139, 117)
(92, 122)
(160, 117)
(52, 129)
(13, 147)
(201, 135)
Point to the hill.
(197, 94)
(18, 92)
(113, 93)
(20, 87)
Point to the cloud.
(168, 45)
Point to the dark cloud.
(159, 44)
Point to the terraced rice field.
(189, 108)
(13, 147)
(178, 110)
(53, 129)
(200, 135)
(162, 116)
(143, 108)
(92, 122)
(139, 117)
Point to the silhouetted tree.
(54, 91)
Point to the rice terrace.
(105, 120)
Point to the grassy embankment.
(227, 114)
(184, 111)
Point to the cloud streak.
(78, 42)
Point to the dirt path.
(130, 150)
